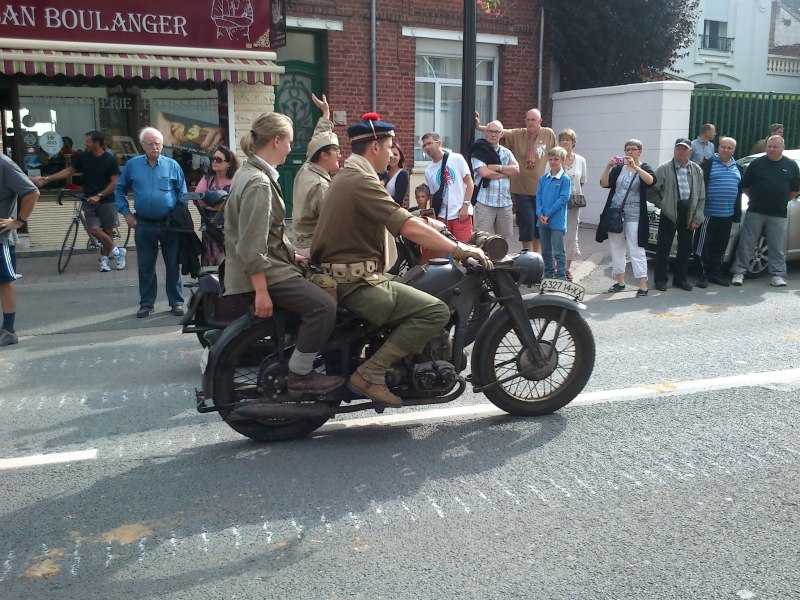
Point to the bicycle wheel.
(68, 246)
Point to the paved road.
(675, 475)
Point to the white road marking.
(47, 459)
(669, 388)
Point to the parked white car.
(758, 261)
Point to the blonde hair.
(557, 151)
(568, 134)
(263, 130)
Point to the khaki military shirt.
(255, 238)
(355, 216)
(517, 141)
(310, 185)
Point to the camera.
(619, 159)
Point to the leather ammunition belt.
(351, 272)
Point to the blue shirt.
(498, 193)
(552, 197)
(156, 188)
(722, 189)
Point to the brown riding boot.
(370, 378)
(312, 383)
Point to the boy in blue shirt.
(552, 197)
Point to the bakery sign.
(221, 24)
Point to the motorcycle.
(532, 353)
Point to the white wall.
(605, 118)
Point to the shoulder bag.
(612, 218)
(438, 196)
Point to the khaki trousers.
(415, 316)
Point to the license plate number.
(562, 286)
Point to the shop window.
(438, 96)
(55, 119)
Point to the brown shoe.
(313, 383)
(374, 391)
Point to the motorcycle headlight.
(494, 246)
(528, 267)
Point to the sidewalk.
(84, 269)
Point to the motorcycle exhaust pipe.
(259, 412)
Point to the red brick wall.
(346, 56)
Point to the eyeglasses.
(494, 131)
(217, 159)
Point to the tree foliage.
(613, 42)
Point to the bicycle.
(92, 244)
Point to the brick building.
(418, 66)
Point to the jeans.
(148, 237)
(774, 230)
(553, 248)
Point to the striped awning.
(142, 66)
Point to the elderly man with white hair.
(493, 212)
(158, 185)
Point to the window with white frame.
(438, 91)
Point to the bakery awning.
(133, 66)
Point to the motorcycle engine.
(433, 376)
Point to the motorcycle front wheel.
(249, 373)
(525, 389)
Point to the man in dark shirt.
(770, 181)
(100, 172)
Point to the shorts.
(526, 217)
(102, 214)
(8, 263)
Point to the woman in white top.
(396, 177)
(575, 168)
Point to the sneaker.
(617, 287)
(145, 311)
(178, 310)
(641, 293)
(737, 279)
(777, 281)
(104, 266)
(8, 338)
(120, 258)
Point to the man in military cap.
(352, 243)
(313, 178)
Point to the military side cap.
(370, 127)
(319, 141)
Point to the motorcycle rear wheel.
(240, 376)
(556, 384)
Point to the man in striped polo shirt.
(723, 178)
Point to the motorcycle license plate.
(204, 361)
(562, 286)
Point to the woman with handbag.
(224, 165)
(624, 218)
(575, 167)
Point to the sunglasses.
(217, 159)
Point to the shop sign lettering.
(225, 24)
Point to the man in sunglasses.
(313, 179)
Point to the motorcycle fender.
(530, 300)
(220, 347)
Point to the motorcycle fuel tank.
(438, 278)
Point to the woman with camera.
(624, 218)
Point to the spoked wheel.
(249, 374)
(68, 247)
(526, 389)
(118, 239)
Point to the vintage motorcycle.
(532, 353)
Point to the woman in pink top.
(224, 164)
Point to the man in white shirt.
(456, 180)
